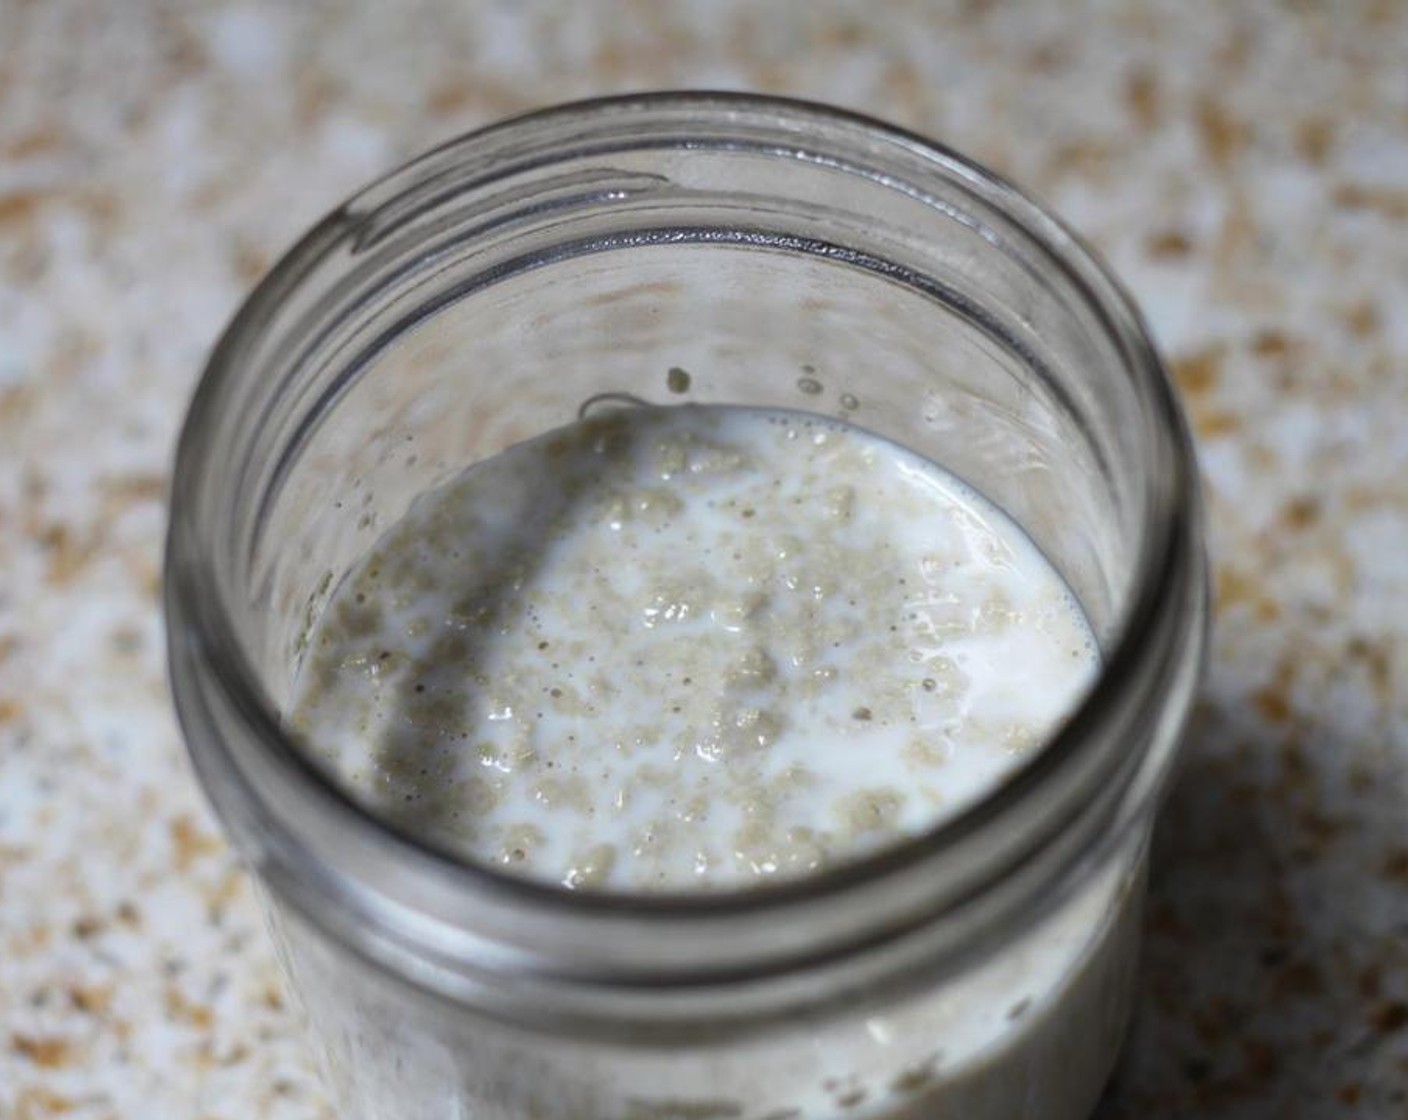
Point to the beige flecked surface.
(1244, 166)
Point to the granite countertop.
(1243, 166)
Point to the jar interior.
(749, 325)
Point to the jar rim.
(202, 629)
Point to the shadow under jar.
(787, 256)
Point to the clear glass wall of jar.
(786, 255)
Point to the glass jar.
(784, 255)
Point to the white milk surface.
(690, 648)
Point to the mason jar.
(785, 255)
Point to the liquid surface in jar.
(689, 648)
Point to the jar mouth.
(203, 630)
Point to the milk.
(690, 649)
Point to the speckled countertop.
(1243, 166)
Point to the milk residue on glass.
(689, 648)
